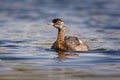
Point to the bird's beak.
(50, 24)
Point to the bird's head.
(57, 23)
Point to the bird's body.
(71, 43)
(66, 43)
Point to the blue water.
(25, 40)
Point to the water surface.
(25, 40)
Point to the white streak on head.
(61, 27)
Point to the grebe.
(66, 43)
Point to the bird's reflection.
(61, 54)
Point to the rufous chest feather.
(60, 39)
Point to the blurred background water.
(25, 39)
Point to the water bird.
(66, 43)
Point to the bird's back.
(73, 43)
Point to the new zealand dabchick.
(66, 43)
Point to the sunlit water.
(25, 40)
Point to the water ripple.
(25, 40)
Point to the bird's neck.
(60, 38)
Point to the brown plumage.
(66, 43)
